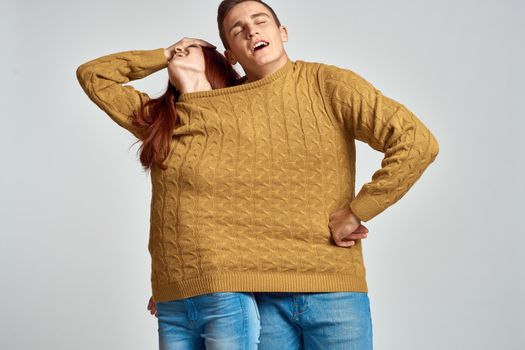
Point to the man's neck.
(263, 72)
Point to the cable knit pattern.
(255, 170)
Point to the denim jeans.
(215, 321)
(314, 321)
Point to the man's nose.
(252, 32)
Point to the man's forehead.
(251, 15)
(247, 9)
(239, 19)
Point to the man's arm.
(388, 127)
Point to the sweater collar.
(243, 85)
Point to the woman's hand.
(182, 44)
(152, 306)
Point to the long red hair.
(158, 116)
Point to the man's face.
(246, 26)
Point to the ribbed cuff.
(155, 58)
(364, 206)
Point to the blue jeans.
(314, 321)
(215, 321)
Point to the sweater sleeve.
(388, 127)
(102, 80)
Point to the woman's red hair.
(158, 116)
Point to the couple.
(255, 228)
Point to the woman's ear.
(230, 57)
(284, 33)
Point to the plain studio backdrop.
(444, 264)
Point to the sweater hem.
(260, 282)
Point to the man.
(253, 36)
(301, 119)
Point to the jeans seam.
(244, 320)
(252, 296)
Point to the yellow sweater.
(256, 169)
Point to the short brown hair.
(225, 7)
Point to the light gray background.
(444, 264)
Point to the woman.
(223, 320)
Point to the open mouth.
(260, 45)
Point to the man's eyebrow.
(238, 23)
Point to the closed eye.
(261, 22)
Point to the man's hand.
(152, 307)
(182, 44)
(346, 227)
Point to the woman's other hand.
(182, 44)
(152, 306)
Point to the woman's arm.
(102, 79)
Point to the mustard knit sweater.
(255, 171)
